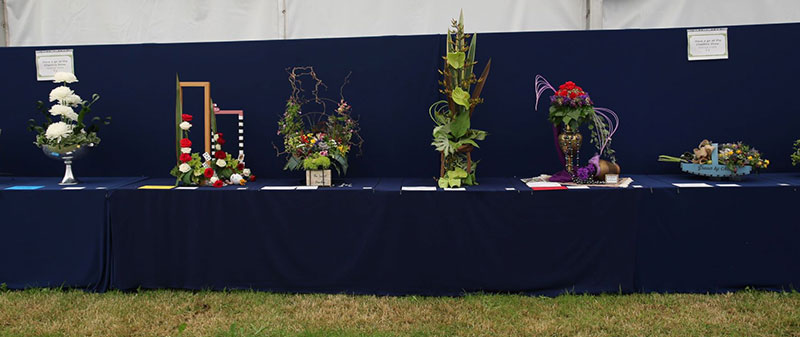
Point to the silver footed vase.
(68, 155)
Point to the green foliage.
(452, 135)
(316, 162)
(796, 154)
(574, 117)
(456, 60)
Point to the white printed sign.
(49, 62)
(707, 44)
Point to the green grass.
(47, 312)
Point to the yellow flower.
(738, 151)
(749, 157)
(313, 140)
(766, 161)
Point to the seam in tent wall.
(4, 38)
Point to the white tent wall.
(619, 14)
(326, 18)
(66, 22)
(76, 22)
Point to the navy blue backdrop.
(666, 103)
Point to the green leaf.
(467, 141)
(461, 97)
(456, 60)
(178, 113)
(293, 164)
(342, 162)
(454, 182)
(457, 173)
(471, 53)
(443, 182)
(460, 125)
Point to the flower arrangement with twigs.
(733, 155)
(315, 140)
(571, 105)
(796, 155)
(69, 131)
(452, 135)
(218, 169)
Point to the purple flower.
(583, 173)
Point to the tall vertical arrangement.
(452, 135)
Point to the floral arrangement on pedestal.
(316, 140)
(65, 134)
(796, 155)
(452, 135)
(63, 128)
(720, 160)
(218, 169)
(570, 108)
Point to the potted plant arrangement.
(315, 141)
(729, 160)
(570, 108)
(452, 135)
(217, 169)
(64, 134)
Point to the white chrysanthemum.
(246, 172)
(60, 93)
(185, 126)
(221, 162)
(73, 100)
(58, 131)
(63, 110)
(186, 150)
(64, 77)
(184, 167)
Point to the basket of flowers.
(727, 160)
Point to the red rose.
(220, 155)
(218, 183)
(240, 167)
(562, 93)
(573, 94)
(220, 141)
(252, 177)
(185, 157)
(208, 173)
(186, 117)
(186, 142)
(220, 134)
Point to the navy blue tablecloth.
(379, 240)
(53, 237)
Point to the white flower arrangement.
(69, 130)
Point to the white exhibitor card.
(49, 62)
(707, 44)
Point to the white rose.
(221, 162)
(185, 126)
(216, 136)
(186, 150)
(246, 172)
(218, 147)
(213, 179)
(184, 167)
(63, 110)
(60, 93)
(73, 100)
(58, 131)
(64, 77)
